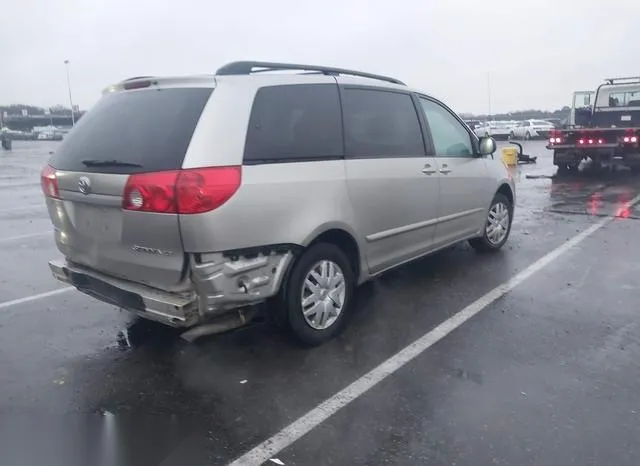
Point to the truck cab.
(581, 108)
(617, 105)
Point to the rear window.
(151, 128)
(294, 123)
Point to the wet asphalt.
(545, 375)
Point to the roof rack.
(616, 80)
(248, 67)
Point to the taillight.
(191, 191)
(49, 182)
(556, 137)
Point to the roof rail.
(616, 80)
(248, 67)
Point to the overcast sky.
(533, 53)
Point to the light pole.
(73, 118)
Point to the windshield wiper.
(109, 163)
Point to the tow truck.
(603, 126)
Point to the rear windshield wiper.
(109, 163)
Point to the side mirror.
(487, 146)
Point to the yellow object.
(510, 156)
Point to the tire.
(485, 243)
(313, 329)
(527, 136)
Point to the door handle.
(428, 170)
(444, 170)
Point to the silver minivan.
(191, 200)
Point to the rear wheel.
(318, 294)
(497, 227)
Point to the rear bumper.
(221, 283)
(168, 308)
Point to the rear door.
(393, 185)
(125, 133)
(466, 186)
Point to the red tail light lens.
(191, 191)
(49, 182)
(151, 192)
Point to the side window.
(380, 124)
(450, 138)
(294, 123)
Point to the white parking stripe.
(31, 235)
(323, 411)
(34, 297)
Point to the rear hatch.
(127, 136)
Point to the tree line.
(17, 110)
(521, 115)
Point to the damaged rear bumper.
(220, 283)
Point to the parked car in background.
(532, 129)
(556, 122)
(473, 124)
(494, 129)
(190, 200)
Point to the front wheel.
(497, 227)
(318, 294)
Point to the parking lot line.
(281, 440)
(31, 235)
(34, 297)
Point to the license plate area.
(106, 292)
(97, 222)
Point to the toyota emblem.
(84, 185)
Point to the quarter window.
(380, 124)
(450, 138)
